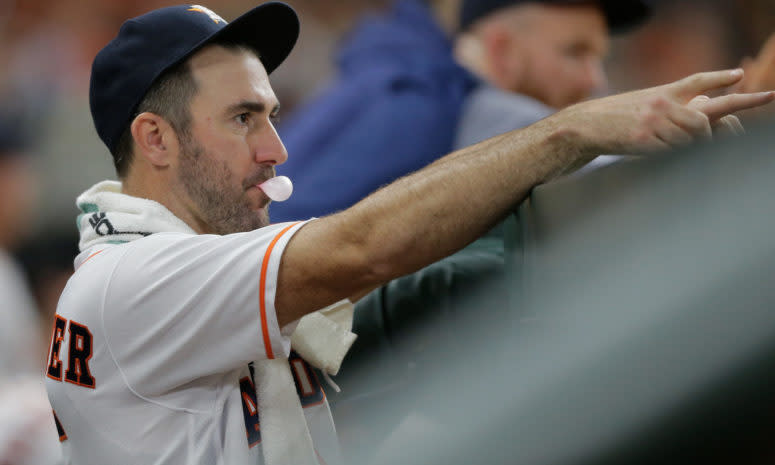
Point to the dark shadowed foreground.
(639, 328)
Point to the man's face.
(555, 53)
(232, 145)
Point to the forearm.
(426, 216)
(438, 210)
(422, 217)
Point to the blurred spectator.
(550, 51)
(28, 435)
(535, 57)
(392, 109)
(19, 336)
(27, 431)
(682, 37)
(401, 100)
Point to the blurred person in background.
(401, 99)
(681, 37)
(535, 57)
(392, 109)
(27, 432)
(19, 338)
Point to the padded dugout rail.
(641, 325)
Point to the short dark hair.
(168, 97)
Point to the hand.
(657, 118)
(726, 125)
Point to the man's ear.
(499, 46)
(155, 139)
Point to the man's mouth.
(258, 178)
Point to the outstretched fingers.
(718, 107)
(701, 83)
(695, 123)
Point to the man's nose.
(268, 148)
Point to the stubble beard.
(222, 204)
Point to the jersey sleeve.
(180, 308)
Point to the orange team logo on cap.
(201, 9)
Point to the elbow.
(373, 259)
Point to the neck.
(158, 187)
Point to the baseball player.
(188, 330)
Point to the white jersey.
(152, 345)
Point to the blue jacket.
(393, 109)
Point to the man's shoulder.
(489, 111)
(489, 98)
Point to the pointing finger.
(718, 107)
(701, 83)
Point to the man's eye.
(243, 118)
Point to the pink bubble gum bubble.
(278, 188)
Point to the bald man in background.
(534, 57)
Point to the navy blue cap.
(621, 15)
(148, 45)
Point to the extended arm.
(438, 210)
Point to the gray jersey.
(489, 111)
